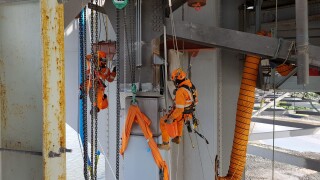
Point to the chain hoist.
(131, 53)
(83, 64)
(118, 92)
(92, 91)
(95, 115)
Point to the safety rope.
(274, 95)
(273, 120)
(173, 29)
(200, 158)
(118, 92)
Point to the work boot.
(164, 146)
(176, 140)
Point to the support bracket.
(238, 41)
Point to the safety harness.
(191, 110)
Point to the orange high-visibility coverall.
(106, 74)
(183, 99)
(103, 74)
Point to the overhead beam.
(13, 1)
(175, 5)
(285, 158)
(72, 8)
(290, 85)
(283, 134)
(238, 41)
(97, 8)
(287, 122)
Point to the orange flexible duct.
(135, 115)
(284, 69)
(243, 118)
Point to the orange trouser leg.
(180, 127)
(165, 135)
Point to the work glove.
(195, 122)
(114, 69)
(168, 121)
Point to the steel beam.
(53, 90)
(283, 79)
(283, 134)
(238, 41)
(285, 158)
(290, 85)
(21, 151)
(72, 10)
(288, 123)
(175, 5)
(13, 1)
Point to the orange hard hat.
(178, 74)
(102, 54)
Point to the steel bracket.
(61, 150)
(62, 1)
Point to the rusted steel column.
(53, 82)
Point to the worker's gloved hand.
(195, 122)
(168, 121)
(114, 69)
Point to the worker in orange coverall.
(186, 98)
(103, 74)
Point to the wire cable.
(200, 158)
(273, 122)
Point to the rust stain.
(3, 97)
(45, 73)
(62, 177)
(61, 71)
(53, 68)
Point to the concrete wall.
(231, 69)
(197, 161)
(21, 90)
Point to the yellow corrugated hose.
(243, 118)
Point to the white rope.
(219, 113)
(169, 158)
(173, 29)
(274, 96)
(177, 170)
(200, 158)
(106, 159)
(274, 118)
